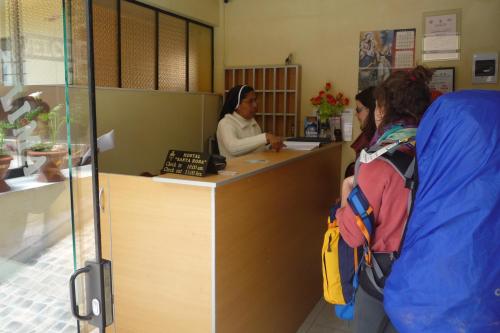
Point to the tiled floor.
(322, 319)
(34, 295)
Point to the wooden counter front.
(225, 253)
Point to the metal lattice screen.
(200, 60)
(172, 53)
(135, 45)
(106, 43)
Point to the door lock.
(96, 309)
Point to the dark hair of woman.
(367, 98)
(404, 95)
(231, 102)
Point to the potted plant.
(5, 157)
(327, 105)
(37, 106)
(50, 171)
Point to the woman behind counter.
(238, 133)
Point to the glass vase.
(324, 128)
(335, 128)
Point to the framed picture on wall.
(441, 39)
(382, 52)
(443, 79)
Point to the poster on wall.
(443, 80)
(381, 52)
(441, 39)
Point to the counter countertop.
(242, 167)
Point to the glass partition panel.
(46, 207)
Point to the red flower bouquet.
(329, 105)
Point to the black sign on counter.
(186, 163)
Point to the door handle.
(98, 293)
(72, 294)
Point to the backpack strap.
(405, 165)
(369, 273)
(365, 222)
(364, 218)
(411, 182)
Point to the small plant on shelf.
(4, 126)
(54, 120)
(48, 125)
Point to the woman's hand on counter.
(276, 142)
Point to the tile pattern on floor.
(322, 319)
(34, 295)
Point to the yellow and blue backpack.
(340, 268)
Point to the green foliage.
(327, 110)
(42, 147)
(28, 117)
(4, 126)
(54, 120)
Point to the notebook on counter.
(300, 145)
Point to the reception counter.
(234, 252)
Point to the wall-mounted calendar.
(382, 52)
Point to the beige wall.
(323, 36)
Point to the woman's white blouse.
(237, 136)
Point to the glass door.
(49, 194)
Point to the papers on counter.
(104, 142)
(297, 145)
(256, 161)
(227, 173)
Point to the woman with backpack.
(401, 101)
